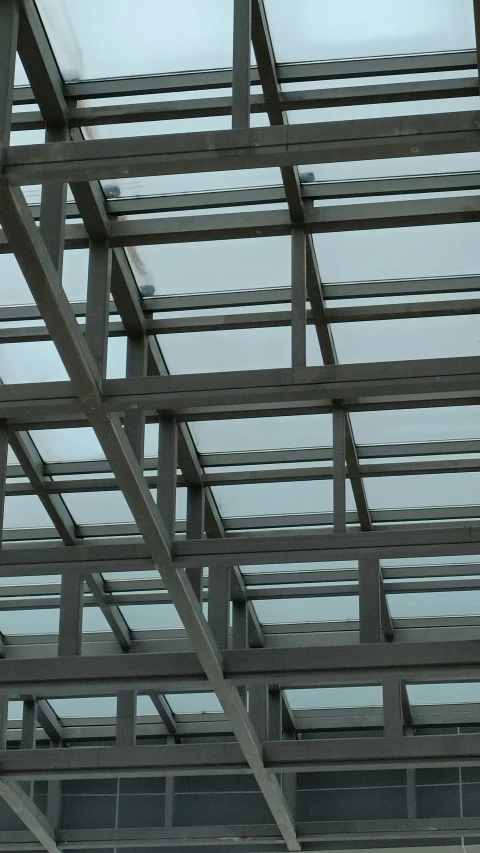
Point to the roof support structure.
(202, 561)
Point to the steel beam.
(324, 755)
(9, 18)
(424, 662)
(287, 73)
(29, 814)
(242, 24)
(443, 133)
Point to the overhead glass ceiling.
(208, 280)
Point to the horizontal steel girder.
(291, 145)
(279, 756)
(342, 665)
(388, 385)
(435, 540)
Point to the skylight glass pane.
(390, 427)
(95, 706)
(460, 489)
(291, 611)
(15, 710)
(435, 604)
(98, 507)
(263, 433)
(440, 694)
(67, 445)
(14, 289)
(21, 78)
(394, 253)
(243, 349)
(308, 30)
(35, 361)
(23, 511)
(117, 39)
(399, 340)
(375, 111)
(334, 697)
(218, 265)
(145, 617)
(194, 703)
(276, 498)
(198, 182)
(298, 567)
(18, 622)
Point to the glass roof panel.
(395, 167)
(402, 425)
(373, 111)
(398, 340)
(394, 253)
(262, 433)
(98, 507)
(276, 498)
(15, 290)
(25, 511)
(308, 30)
(219, 265)
(298, 567)
(18, 622)
(198, 182)
(243, 349)
(21, 78)
(35, 361)
(116, 38)
(440, 694)
(67, 445)
(94, 706)
(194, 703)
(411, 605)
(290, 611)
(144, 617)
(459, 489)
(334, 697)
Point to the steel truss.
(257, 774)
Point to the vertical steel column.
(258, 696)
(53, 209)
(299, 298)
(369, 594)
(98, 302)
(71, 614)
(3, 474)
(29, 732)
(54, 794)
(288, 732)
(126, 718)
(339, 472)
(393, 719)
(240, 633)
(219, 594)
(3, 720)
(242, 34)
(169, 794)
(167, 470)
(134, 420)
(9, 16)
(29, 724)
(275, 714)
(196, 530)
